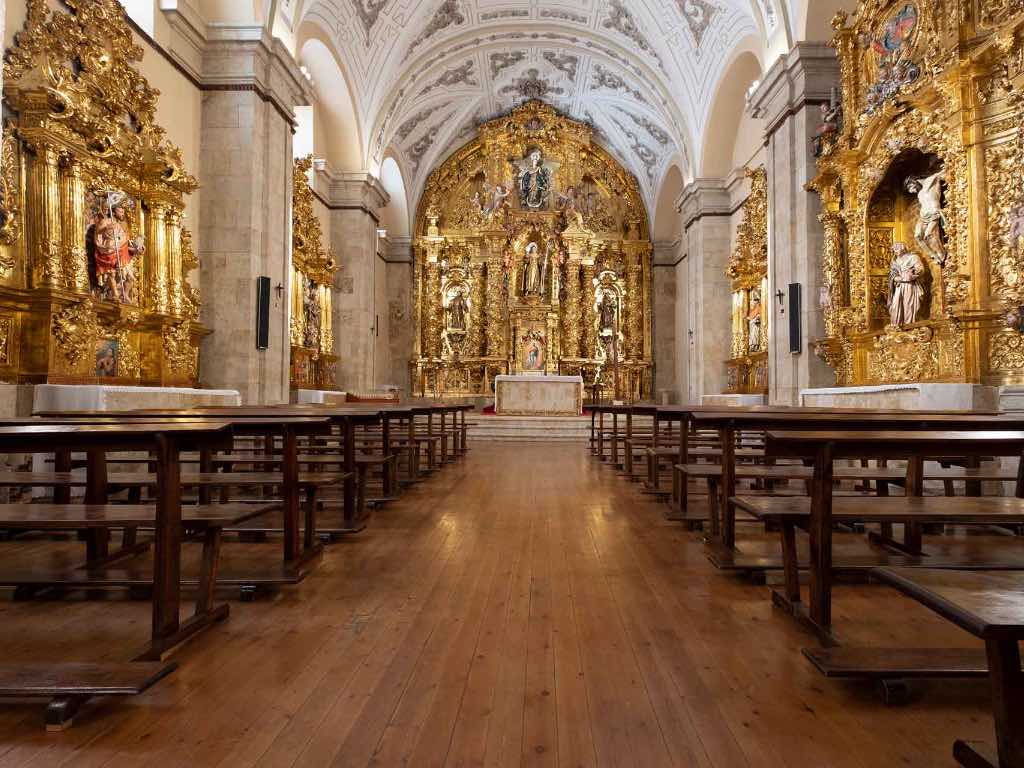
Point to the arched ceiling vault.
(423, 73)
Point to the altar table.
(532, 395)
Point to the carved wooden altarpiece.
(313, 363)
(532, 256)
(929, 154)
(746, 372)
(94, 257)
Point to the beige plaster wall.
(666, 335)
(400, 322)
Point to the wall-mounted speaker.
(794, 318)
(262, 312)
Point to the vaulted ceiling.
(422, 73)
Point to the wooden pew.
(70, 684)
(991, 607)
(823, 448)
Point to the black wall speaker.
(262, 312)
(794, 318)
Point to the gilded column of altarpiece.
(94, 255)
(919, 173)
(313, 363)
(532, 256)
(746, 372)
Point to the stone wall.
(666, 332)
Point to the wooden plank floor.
(524, 607)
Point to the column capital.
(804, 76)
(667, 252)
(703, 197)
(358, 189)
(399, 250)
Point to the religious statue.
(456, 311)
(931, 221)
(754, 323)
(570, 207)
(111, 249)
(905, 290)
(831, 124)
(534, 182)
(532, 283)
(606, 310)
(311, 312)
(490, 201)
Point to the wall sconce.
(781, 297)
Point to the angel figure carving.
(906, 293)
(931, 221)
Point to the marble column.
(703, 291)
(251, 85)
(355, 203)
(789, 98)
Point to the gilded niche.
(313, 363)
(746, 372)
(923, 210)
(92, 200)
(532, 256)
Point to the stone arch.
(668, 224)
(339, 134)
(395, 216)
(728, 111)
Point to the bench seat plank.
(888, 663)
(81, 678)
(71, 517)
(992, 510)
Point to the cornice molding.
(803, 77)
(703, 197)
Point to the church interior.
(505, 383)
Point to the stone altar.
(538, 395)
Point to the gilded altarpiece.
(746, 372)
(313, 363)
(94, 254)
(532, 256)
(923, 208)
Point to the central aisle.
(525, 607)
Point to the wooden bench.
(68, 685)
(990, 606)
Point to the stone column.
(668, 339)
(789, 99)
(245, 170)
(401, 328)
(355, 202)
(705, 293)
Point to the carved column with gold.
(495, 298)
(174, 268)
(633, 253)
(75, 268)
(589, 331)
(156, 258)
(44, 203)
(477, 321)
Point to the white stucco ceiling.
(422, 73)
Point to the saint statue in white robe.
(906, 293)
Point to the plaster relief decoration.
(699, 14)
(313, 362)
(92, 209)
(448, 14)
(368, 12)
(920, 188)
(621, 20)
(532, 256)
(746, 372)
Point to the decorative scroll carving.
(91, 204)
(929, 154)
(513, 222)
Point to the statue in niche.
(931, 221)
(532, 279)
(110, 247)
(456, 312)
(606, 311)
(831, 124)
(490, 201)
(311, 310)
(906, 293)
(570, 207)
(754, 340)
(534, 182)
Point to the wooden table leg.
(350, 469)
(167, 547)
(290, 494)
(727, 435)
(388, 479)
(820, 532)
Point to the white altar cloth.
(531, 395)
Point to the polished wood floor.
(525, 607)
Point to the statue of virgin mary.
(534, 182)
